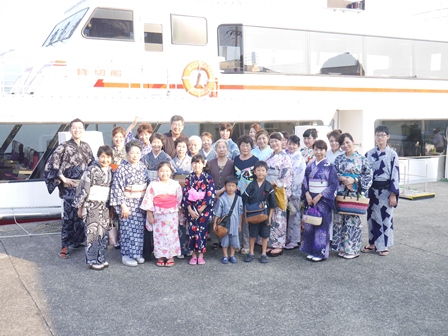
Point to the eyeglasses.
(381, 135)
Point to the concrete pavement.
(405, 293)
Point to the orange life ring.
(197, 89)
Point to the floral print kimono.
(320, 178)
(164, 199)
(294, 221)
(280, 174)
(308, 154)
(198, 191)
(347, 230)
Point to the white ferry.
(286, 64)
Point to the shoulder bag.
(224, 222)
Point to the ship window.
(64, 29)
(153, 37)
(387, 57)
(230, 48)
(274, 50)
(189, 30)
(335, 54)
(114, 24)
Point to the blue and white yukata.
(135, 179)
(386, 180)
(347, 230)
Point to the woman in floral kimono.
(162, 202)
(197, 202)
(319, 187)
(354, 174)
(280, 176)
(91, 199)
(128, 188)
(309, 138)
(298, 172)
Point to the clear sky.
(27, 23)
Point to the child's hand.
(269, 222)
(80, 212)
(151, 219)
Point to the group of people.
(170, 193)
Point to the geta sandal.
(169, 263)
(383, 253)
(368, 249)
(160, 263)
(64, 253)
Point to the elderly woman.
(243, 166)
(221, 167)
(298, 172)
(194, 145)
(127, 191)
(309, 138)
(355, 175)
(253, 129)
(335, 148)
(280, 176)
(319, 186)
(157, 155)
(144, 132)
(207, 150)
(182, 168)
(262, 151)
(225, 131)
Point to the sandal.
(367, 249)
(383, 253)
(160, 263)
(169, 263)
(215, 246)
(64, 253)
(272, 253)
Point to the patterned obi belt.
(317, 186)
(135, 190)
(98, 193)
(165, 201)
(381, 185)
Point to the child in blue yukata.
(236, 219)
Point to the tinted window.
(110, 24)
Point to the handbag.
(280, 197)
(223, 222)
(352, 205)
(113, 233)
(256, 213)
(312, 216)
